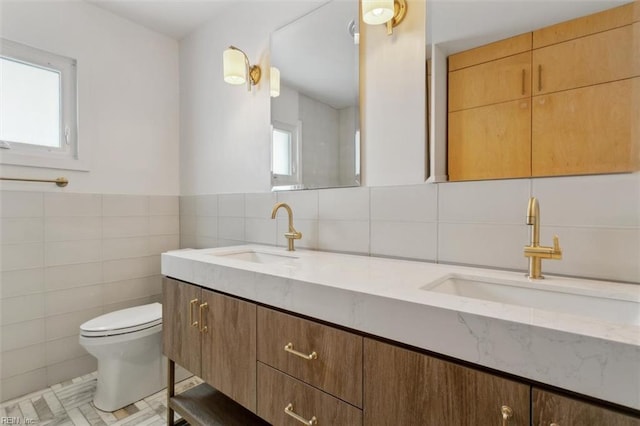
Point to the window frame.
(278, 180)
(68, 155)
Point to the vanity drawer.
(278, 392)
(336, 366)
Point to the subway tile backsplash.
(67, 258)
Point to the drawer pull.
(507, 413)
(203, 328)
(289, 348)
(191, 306)
(289, 410)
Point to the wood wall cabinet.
(213, 336)
(585, 95)
(550, 408)
(490, 111)
(404, 387)
(580, 85)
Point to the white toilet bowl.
(128, 346)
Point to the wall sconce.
(236, 67)
(274, 82)
(390, 12)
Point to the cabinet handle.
(191, 306)
(289, 348)
(203, 328)
(524, 77)
(507, 413)
(289, 411)
(539, 78)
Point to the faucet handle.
(557, 251)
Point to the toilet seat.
(125, 321)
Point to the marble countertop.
(595, 350)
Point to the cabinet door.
(493, 82)
(490, 142)
(229, 347)
(180, 336)
(403, 387)
(595, 59)
(550, 408)
(588, 130)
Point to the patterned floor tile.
(77, 418)
(92, 416)
(70, 404)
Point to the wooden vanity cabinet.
(552, 409)
(403, 387)
(213, 336)
(262, 365)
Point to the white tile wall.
(590, 201)
(473, 223)
(21, 282)
(499, 246)
(15, 230)
(404, 221)
(415, 240)
(67, 258)
(497, 202)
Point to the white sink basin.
(547, 297)
(256, 256)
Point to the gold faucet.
(534, 251)
(292, 234)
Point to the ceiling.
(174, 18)
(317, 56)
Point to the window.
(38, 113)
(284, 154)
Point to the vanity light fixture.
(274, 82)
(389, 12)
(236, 67)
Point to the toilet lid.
(123, 321)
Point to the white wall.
(127, 96)
(68, 255)
(393, 87)
(225, 130)
(320, 143)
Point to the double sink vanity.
(334, 339)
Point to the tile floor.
(69, 404)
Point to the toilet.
(128, 346)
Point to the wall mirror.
(315, 119)
(456, 26)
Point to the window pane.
(281, 152)
(29, 104)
